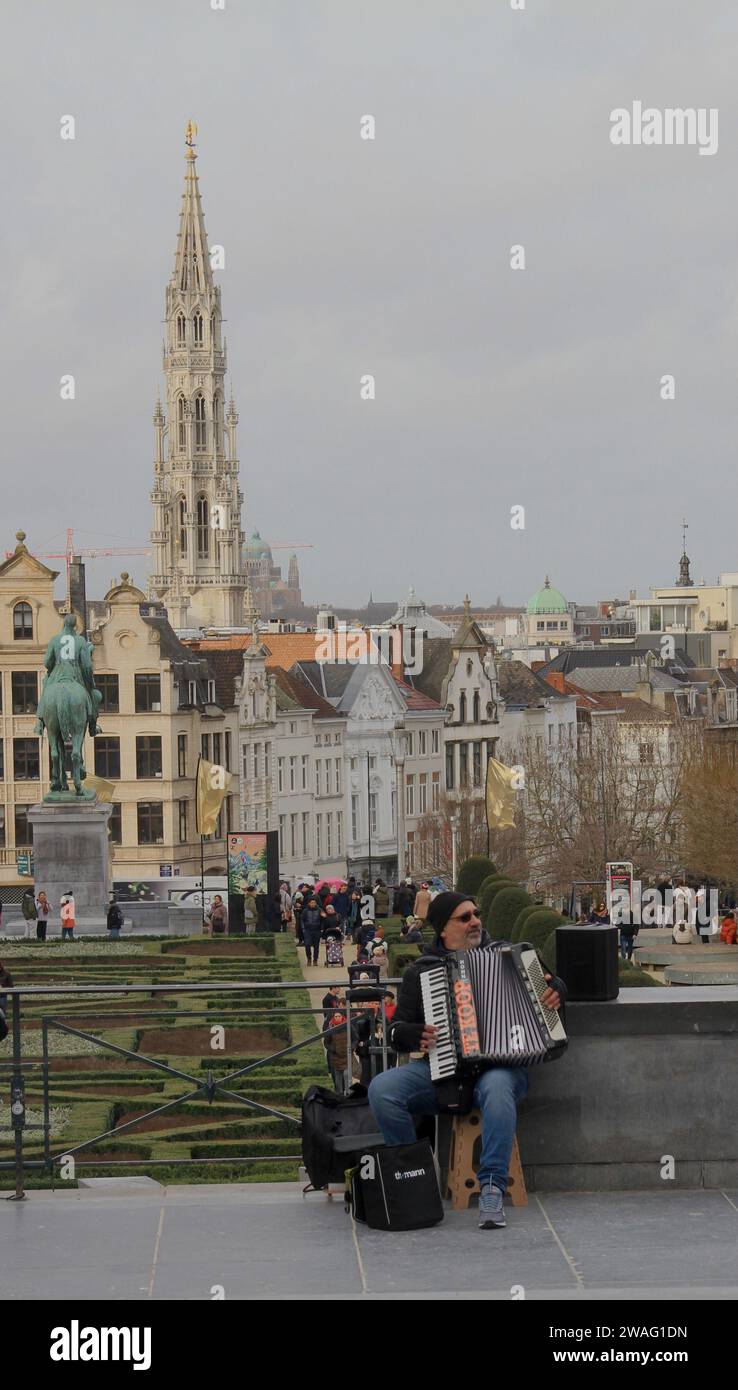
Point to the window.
(304, 771)
(318, 836)
(282, 824)
(182, 524)
(462, 707)
(200, 435)
(257, 751)
(436, 792)
(373, 812)
(352, 764)
(115, 830)
(645, 752)
(393, 808)
(181, 435)
(422, 793)
(337, 739)
(338, 776)
(181, 755)
(410, 795)
(318, 765)
(203, 528)
(245, 761)
(148, 755)
(409, 744)
(24, 686)
(205, 747)
(540, 627)
(463, 764)
(2, 761)
(477, 764)
(2, 827)
(552, 627)
(293, 727)
(26, 759)
(372, 764)
(22, 622)
(181, 340)
(228, 751)
(339, 832)
(293, 835)
(305, 831)
(450, 767)
(280, 774)
(217, 749)
(354, 818)
(604, 632)
(584, 632)
(550, 735)
(150, 822)
(293, 773)
(267, 748)
(182, 822)
(411, 849)
(107, 757)
(23, 827)
(328, 833)
(475, 708)
(197, 328)
(212, 700)
(108, 687)
(148, 694)
(435, 740)
(422, 742)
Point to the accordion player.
(487, 1009)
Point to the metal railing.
(211, 1086)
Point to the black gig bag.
(395, 1188)
(335, 1129)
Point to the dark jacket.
(365, 933)
(330, 926)
(409, 1021)
(342, 903)
(404, 900)
(310, 919)
(115, 917)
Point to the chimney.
(77, 588)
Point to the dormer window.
(192, 692)
(22, 622)
(211, 693)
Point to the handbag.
(334, 1129)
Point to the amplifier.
(587, 961)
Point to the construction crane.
(71, 551)
(291, 545)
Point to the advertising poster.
(247, 862)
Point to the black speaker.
(587, 961)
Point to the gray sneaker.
(491, 1209)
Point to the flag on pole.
(500, 796)
(104, 789)
(212, 784)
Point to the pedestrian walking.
(67, 914)
(381, 899)
(218, 916)
(310, 922)
(274, 912)
(28, 908)
(422, 903)
(250, 910)
(43, 908)
(115, 920)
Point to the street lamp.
(455, 818)
(399, 751)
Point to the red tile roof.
(414, 699)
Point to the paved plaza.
(133, 1239)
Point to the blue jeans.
(395, 1096)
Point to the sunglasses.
(466, 916)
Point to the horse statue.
(69, 704)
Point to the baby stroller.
(333, 950)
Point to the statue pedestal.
(70, 850)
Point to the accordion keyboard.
(434, 991)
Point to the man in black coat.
(396, 1096)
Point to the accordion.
(486, 1007)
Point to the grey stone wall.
(650, 1074)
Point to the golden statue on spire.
(190, 134)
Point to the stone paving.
(132, 1239)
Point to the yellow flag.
(500, 796)
(212, 784)
(105, 790)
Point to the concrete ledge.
(650, 1074)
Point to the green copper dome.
(255, 547)
(547, 600)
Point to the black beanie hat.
(442, 907)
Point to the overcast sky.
(494, 388)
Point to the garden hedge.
(518, 934)
(538, 927)
(483, 894)
(472, 874)
(504, 910)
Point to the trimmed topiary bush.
(472, 874)
(547, 951)
(632, 976)
(539, 925)
(518, 933)
(483, 894)
(504, 910)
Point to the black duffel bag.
(395, 1188)
(335, 1128)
